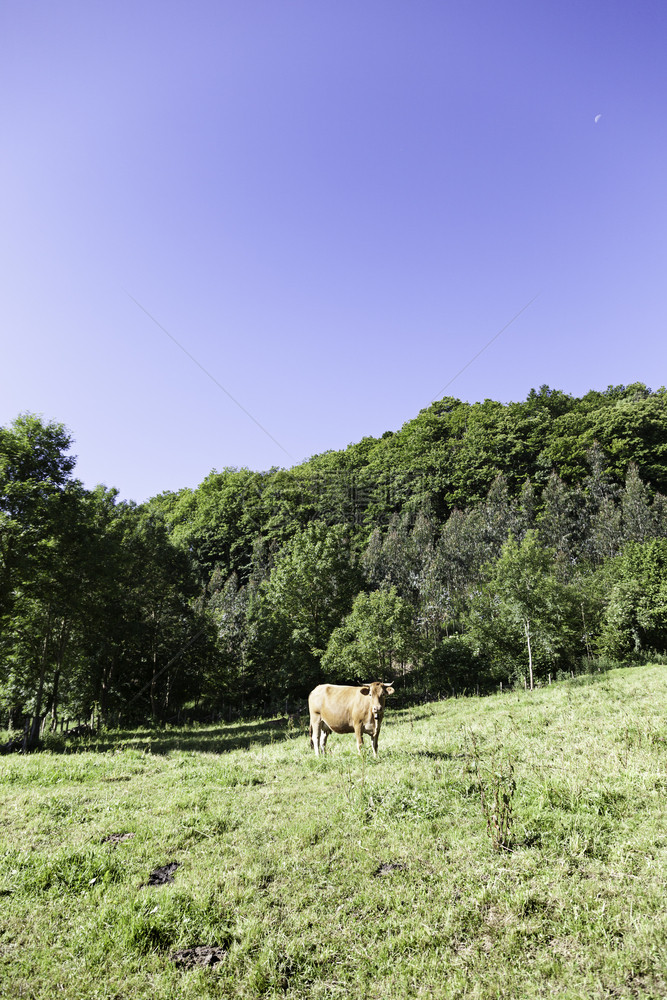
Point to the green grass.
(340, 876)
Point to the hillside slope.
(340, 876)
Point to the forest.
(481, 544)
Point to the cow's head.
(377, 692)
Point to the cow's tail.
(310, 733)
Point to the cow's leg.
(374, 739)
(323, 737)
(315, 726)
(359, 732)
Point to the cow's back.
(339, 705)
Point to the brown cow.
(337, 708)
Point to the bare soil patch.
(206, 955)
(163, 875)
(117, 838)
(389, 866)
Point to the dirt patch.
(163, 875)
(117, 838)
(202, 955)
(389, 866)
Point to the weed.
(497, 786)
(354, 786)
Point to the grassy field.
(510, 846)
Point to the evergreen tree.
(561, 524)
(637, 515)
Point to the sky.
(239, 233)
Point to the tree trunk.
(154, 687)
(588, 648)
(33, 736)
(62, 645)
(526, 627)
(54, 701)
(105, 684)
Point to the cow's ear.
(365, 690)
(388, 690)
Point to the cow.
(338, 708)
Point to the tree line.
(482, 543)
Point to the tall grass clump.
(497, 785)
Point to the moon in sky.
(597, 118)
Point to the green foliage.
(96, 597)
(376, 638)
(226, 597)
(217, 522)
(523, 604)
(310, 589)
(228, 608)
(34, 465)
(635, 618)
(453, 665)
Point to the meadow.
(506, 846)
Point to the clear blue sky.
(332, 205)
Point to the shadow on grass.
(197, 739)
